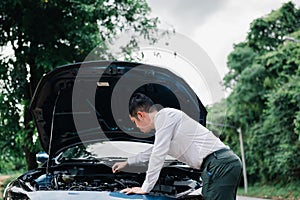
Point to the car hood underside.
(89, 101)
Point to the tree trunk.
(30, 158)
(28, 141)
(29, 146)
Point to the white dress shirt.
(179, 136)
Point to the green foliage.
(289, 191)
(266, 33)
(219, 122)
(45, 34)
(279, 117)
(264, 76)
(242, 57)
(247, 95)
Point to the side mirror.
(42, 157)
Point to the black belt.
(213, 155)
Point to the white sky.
(214, 24)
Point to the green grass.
(289, 191)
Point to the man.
(185, 139)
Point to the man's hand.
(134, 190)
(118, 166)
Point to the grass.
(277, 192)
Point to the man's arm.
(139, 158)
(156, 161)
(165, 126)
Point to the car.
(81, 114)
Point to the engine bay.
(174, 181)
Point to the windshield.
(105, 149)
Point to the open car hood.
(84, 102)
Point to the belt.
(213, 155)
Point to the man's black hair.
(140, 102)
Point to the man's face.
(142, 121)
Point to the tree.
(266, 33)
(264, 102)
(219, 122)
(48, 33)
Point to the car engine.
(174, 181)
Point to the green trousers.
(221, 175)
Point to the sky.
(205, 33)
(215, 25)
